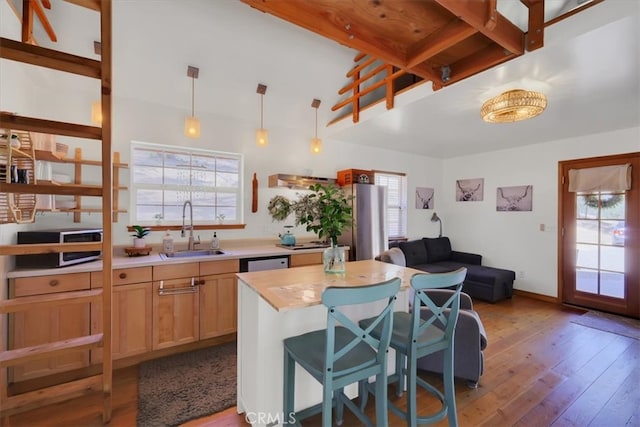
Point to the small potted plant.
(139, 235)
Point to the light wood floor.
(540, 370)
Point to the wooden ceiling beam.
(329, 25)
(27, 22)
(455, 32)
(476, 13)
(37, 8)
(534, 39)
(480, 61)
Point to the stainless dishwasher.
(264, 263)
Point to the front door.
(599, 254)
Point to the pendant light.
(316, 143)
(96, 106)
(191, 123)
(262, 135)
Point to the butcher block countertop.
(300, 287)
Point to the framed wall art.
(514, 199)
(470, 190)
(424, 198)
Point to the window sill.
(195, 227)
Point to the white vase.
(333, 259)
(139, 242)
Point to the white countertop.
(120, 262)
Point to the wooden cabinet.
(131, 312)
(175, 305)
(218, 298)
(299, 260)
(40, 326)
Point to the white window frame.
(214, 219)
(396, 201)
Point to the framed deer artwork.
(514, 199)
(470, 190)
(424, 198)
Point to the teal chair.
(413, 338)
(343, 354)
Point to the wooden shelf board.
(45, 248)
(53, 188)
(13, 121)
(52, 157)
(44, 351)
(42, 301)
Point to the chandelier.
(513, 106)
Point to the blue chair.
(413, 338)
(343, 354)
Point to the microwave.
(61, 259)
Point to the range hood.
(297, 181)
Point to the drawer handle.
(54, 283)
(202, 282)
(123, 275)
(177, 291)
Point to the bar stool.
(413, 338)
(343, 354)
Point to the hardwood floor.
(540, 370)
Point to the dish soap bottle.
(167, 243)
(215, 243)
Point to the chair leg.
(363, 393)
(339, 396)
(327, 402)
(289, 385)
(449, 386)
(412, 410)
(382, 415)
(400, 362)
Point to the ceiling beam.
(476, 13)
(330, 25)
(455, 32)
(479, 61)
(534, 39)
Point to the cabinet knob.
(53, 283)
(123, 275)
(201, 282)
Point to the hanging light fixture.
(316, 143)
(262, 135)
(513, 106)
(96, 113)
(191, 123)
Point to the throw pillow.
(414, 251)
(438, 249)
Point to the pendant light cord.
(316, 122)
(261, 111)
(193, 86)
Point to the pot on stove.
(287, 239)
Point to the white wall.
(513, 240)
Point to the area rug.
(183, 387)
(610, 323)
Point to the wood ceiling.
(442, 41)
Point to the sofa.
(435, 255)
(470, 338)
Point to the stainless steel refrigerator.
(367, 236)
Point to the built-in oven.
(61, 259)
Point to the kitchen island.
(274, 305)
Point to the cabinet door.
(299, 260)
(175, 312)
(45, 325)
(131, 320)
(218, 305)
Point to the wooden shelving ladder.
(101, 70)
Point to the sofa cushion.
(393, 256)
(440, 267)
(438, 249)
(415, 253)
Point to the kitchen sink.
(193, 253)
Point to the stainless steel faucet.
(192, 242)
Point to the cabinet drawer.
(124, 276)
(219, 267)
(299, 260)
(175, 271)
(26, 286)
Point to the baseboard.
(539, 297)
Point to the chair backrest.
(444, 315)
(336, 297)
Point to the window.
(163, 178)
(396, 184)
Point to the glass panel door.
(600, 223)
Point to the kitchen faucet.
(192, 242)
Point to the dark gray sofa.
(435, 255)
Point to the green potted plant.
(139, 236)
(326, 211)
